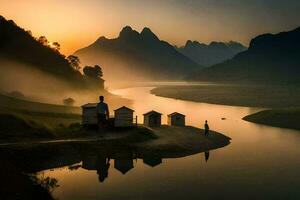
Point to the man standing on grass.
(206, 128)
(102, 113)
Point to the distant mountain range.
(137, 56)
(214, 53)
(271, 58)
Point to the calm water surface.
(261, 162)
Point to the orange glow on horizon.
(76, 24)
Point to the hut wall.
(176, 120)
(123, 118)
(152, 120)
(89, 116)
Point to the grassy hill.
(18, 114)
(19, 46)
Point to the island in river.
(283, 118)
(282, 102)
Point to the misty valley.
(136, 116)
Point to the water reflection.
(152, 161)
(123, 161)
(206, 155)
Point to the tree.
(74, 62)
(16, 94)
(69, 102)
(56, 46)
(98, 71)
(93, 72)
(29, 32)
(43, 40)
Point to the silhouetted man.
(206, 128)
(102, 113)
(206, 155)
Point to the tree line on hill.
(19, 45)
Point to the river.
(262, 162)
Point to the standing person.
(102, 113)
(206, 128)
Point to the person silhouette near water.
(206, 128)
(102, 113)
(206, 155)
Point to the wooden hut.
(89, 114)
(176, 119)
(123, 117)
(152, 118)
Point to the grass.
(7, 102)
(235, 95)
(283, 118)
(14, 127)
(21, 119)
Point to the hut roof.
(175, 113)
(125, 108)
(152, 113)
(89, 105)
(123, 165)
(152, 161)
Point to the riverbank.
(283, 118)
(162, 142)
(182, 141)
(234, 95)
(151, 145)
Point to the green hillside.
(48, 115)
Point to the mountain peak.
(147, 33)
(127, 29)
(101, 39)
(190, 43)
(127, 32)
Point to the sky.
(77, 23)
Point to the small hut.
(124, 117)
(89, 114)
(152, 118)
(176, 119)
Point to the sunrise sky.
(76, 23)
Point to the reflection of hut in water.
(124, 117)
(152, 118)
(123, 165)
(89, 162)
(89, 114)
(176, 119)
(152, 161)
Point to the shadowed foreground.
(23, 160)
